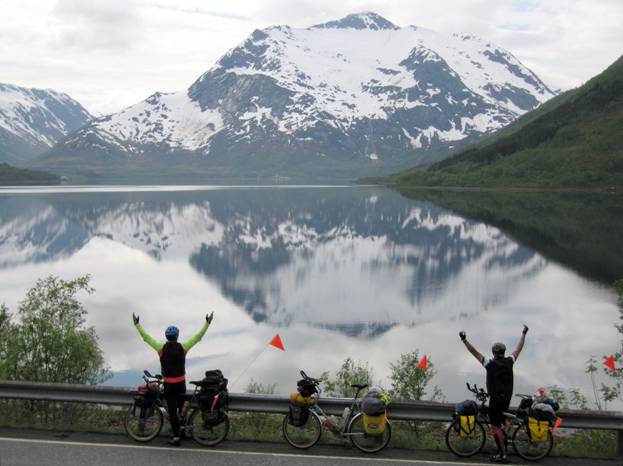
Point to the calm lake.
(336, 271)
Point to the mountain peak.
(364, 20)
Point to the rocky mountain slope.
(33, 120)
(347, 97)
(573, 141)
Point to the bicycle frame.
(355, 408)
(483, 411)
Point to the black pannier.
(299, 413)
(213, 398)
(144, 405)
(306, 388)
(372, 406)
(525, 404)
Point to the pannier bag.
(296, 397)
(467, 425)
(538, 429)
(543, 412)
(306, 388)
(467, 408)
(144, 402)
(213, 398)
(374, 408)
(466, 411)
(374, 425)
(525, 404)
(298, 414)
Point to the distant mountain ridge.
(348, 97)
(573, 141)
(33, 120)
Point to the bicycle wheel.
(529, 450)
(204, 434)
(465, 446)
(368, 443)
(143, 428)
(305, 436)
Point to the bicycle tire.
(132, 424)
(206, 435)
(367, 443)
(292, 434)
(529, 450)
(465, 447)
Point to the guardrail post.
(619, 452)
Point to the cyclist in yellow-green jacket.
(172, 356)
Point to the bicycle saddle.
(359, 386)
(196, 382)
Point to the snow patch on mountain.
(172, 119)
(34, 119)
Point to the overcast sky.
(109, 54)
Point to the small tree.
(263, 388)
(410, 381)
(610, 392)
(50, 341)
(351, 372)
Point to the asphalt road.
(51, 448)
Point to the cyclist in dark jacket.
(499, 386)
(173, 365)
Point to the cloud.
(97, 24)
(109, 54)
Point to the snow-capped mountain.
(33, 120)
(359, 92)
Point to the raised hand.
(135, 318)
(463, 335)
(525, 329)
(209, 318)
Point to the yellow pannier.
(297, 398)
(467, 425)
(374, 425)
(538, 429)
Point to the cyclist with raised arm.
(172, 356)
(499, 385)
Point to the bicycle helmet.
(171, 333)
(498, 349)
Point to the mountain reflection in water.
(336, 270)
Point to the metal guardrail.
(278, 404)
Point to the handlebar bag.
(306, 388)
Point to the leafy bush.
(50, 341)
(410, 381)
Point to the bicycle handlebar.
(311, 379)
(155, 378)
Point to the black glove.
(135, 318)
(525, 329)
(209, 318)
(463, 335)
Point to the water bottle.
(345, 416)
